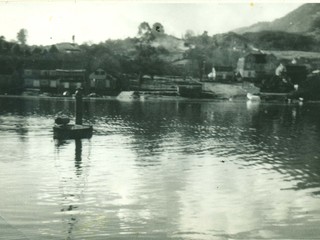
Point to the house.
(44, 80)
(221, 73)
(71, 79)
(100, 81)
(53, 80)
(66, 47)
(256, 65)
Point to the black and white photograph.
(159, 120)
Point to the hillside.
(284, 41)
(174, 47)
(171, 43)
(302, 20)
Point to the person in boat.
(62, 120)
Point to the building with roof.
(256, 65)
(221, 73)
(44, 80)
(67, 47)
(57, 80)
(101, 82)
(71, 78)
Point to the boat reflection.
(78, 157)
(72, 188)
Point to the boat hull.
(71, 131)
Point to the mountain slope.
(301, 20)
(274, 40)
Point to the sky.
(53, 21)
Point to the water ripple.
(161, 170)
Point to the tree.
(15, 49)
(106, 61)
(27, 52)
(144, 28)
(53, 49)
(3, 45)
(157, 29)
(189, 34)
(148, 60)
(315, 24)
(37, 50)
(205, 38)
(22, 36)
(145, 32)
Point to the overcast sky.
(50, 22)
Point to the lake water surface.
(160, 169)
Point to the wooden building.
(101, 82)
(43, 80)
(221, 74)
(57, 80)
(71, 79)
(256, 65)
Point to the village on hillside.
(219, 66)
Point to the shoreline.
(149, 97)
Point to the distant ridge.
(302, 20)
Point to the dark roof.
(295, 67)
(67, 47)
(223, 68)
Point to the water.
(160, 170)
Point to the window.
(36, 83)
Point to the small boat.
(64, 130)
(72, 131)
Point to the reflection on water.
(161, 170)
(72, 188)
(78, 156)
